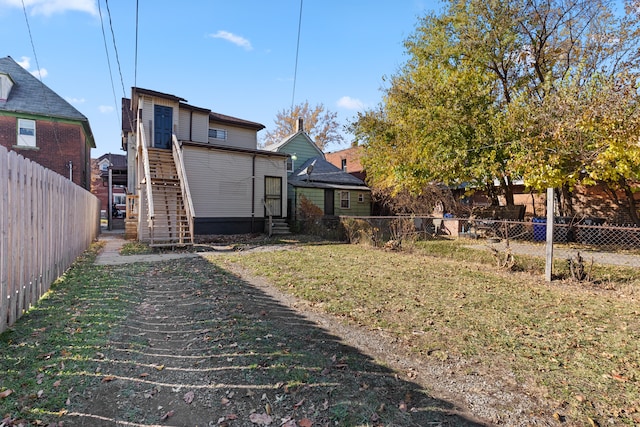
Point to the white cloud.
(50, 7)
(105, 109)
(230, 37)
(25, 62)
(350, 103)
(41, 74)
(76, 100)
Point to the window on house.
(219, 134)
(119, 199)
(344, 165)
(289, 164)
(26, 133)
(345, 200)
(104, 166)
(361, 197)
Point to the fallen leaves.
(261, 419)
(188, 397)
(167, 415)
(108, 378)
(6, 393)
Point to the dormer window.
(104, 165)
(6, 83)
(219, 134)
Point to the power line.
(106, 49)
(115, 48)
(44, 92)
(135, 67)
(295, 71)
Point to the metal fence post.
(548, 269)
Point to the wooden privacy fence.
(46, 222)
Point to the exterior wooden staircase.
(279, 226)
(170, 225)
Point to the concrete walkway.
(114, 240)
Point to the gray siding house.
(199, 172)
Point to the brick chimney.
(299, 125)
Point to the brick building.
(348, 160)
(40, 125)
(100, 167)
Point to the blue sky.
(233, 57)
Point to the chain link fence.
(592, 233)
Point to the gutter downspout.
(253, 192)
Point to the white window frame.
(361, 198)
(26, 138)
(219, 134)
(119, 199)
(343, 199)
(290, 164)
(343, 163)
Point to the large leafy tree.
(455, 112)
(320, 124)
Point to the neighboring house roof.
(30, 96)
(118, 163)
(319, 173)
(278, 146)
(116, 160)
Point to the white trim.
(26, 131)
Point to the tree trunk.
(507, 190)
(633, 208)
(565, 201)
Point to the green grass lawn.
(579, 343)
(52, 352)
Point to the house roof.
(319, 173)
(217, 117)
(233, 149)
(157, 94)
(30, 96)
(116, 160)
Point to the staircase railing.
(270, 215)
(142, 146)
(184, 184)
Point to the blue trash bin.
(539, 229)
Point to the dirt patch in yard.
(206, 346)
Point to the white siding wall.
(200, 127)
(185, 123)
(236, 137)
(194, 126)
(221, 182)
